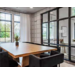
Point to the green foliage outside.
(4, 27)
(3, 30)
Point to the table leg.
(24, 61)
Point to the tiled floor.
(67, 64)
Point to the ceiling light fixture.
(31, 7)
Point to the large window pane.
(53, 32)
(2, 16)
(2, 25)
(45, 17)
(45, 32)
(63, 32)
(2, 36)
(16, 18)
(8, 26)
(8, 36)
(64, 50)
(63, 12)
(72, 31)
(8, 17)
(53, 15)
(17, 29)
(5, 27)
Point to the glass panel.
(53, 15)
(72, 11)
(2, 16)
(63, 12)
(45, 17)
(8, 26)
(73, 53)
(53, 32)
(8, 36)
(45, 44)
(2, 25)
(63, 32)
(45, 32)
(16, 18)
(72, 31)
(64, 50)
(17, 29)
(8, 17)
(53, 45)
(2, 36)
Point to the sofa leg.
(59, 65)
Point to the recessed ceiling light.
(31, 7)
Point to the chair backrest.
(4, 62)
(49, 61)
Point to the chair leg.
(59, 65)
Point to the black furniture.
(6, 60)
(46, 61)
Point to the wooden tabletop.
(24, 49)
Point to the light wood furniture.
(23, 51)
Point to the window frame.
(5, 25)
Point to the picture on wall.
(64, 31)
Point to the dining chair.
(47, 61)
(6, 61)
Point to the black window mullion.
(58, 27)
(49, 28)
(69, 30)
(41, 29)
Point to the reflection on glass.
(63, 32)
(45, 32)
(45, 17)
(53, 15)
(73, 53)
(63, 12)
(64, 50)
(16, 18)
(72, 31)
(53, 32)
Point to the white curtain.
(25, 35)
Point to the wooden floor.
(67, 64)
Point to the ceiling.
(23, 9)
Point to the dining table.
(21, 52)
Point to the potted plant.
(17, 40)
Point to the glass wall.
(60, 30)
